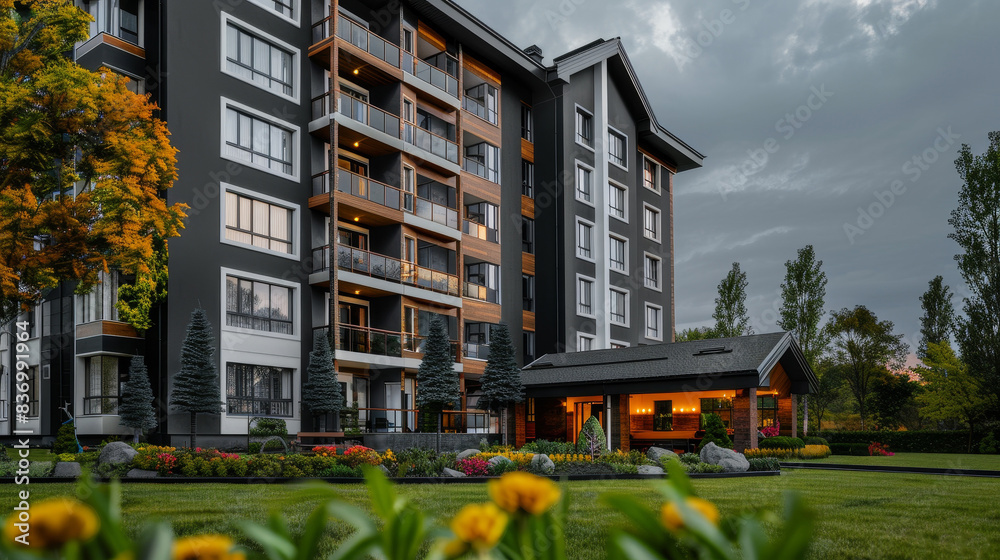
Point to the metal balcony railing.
(392, 269)
(430, 73)
(430, 142)
(480, 231)
(433, 211)
(367, 41)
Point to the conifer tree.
(501, 380)
(196, 387)
(321, 393)
(437, 380)
(136, 409)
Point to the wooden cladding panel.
(480, 188)
(480, 249)
(124, 45)
(106, 328)
(431, 36)
(779, 382)
(527, 207)
(481, 128)
(353, 206)
(657, 160)
(473, 367)
(480, 312)
(528, 263)
(480, 69)
(527, 150)
(528, 320)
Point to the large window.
(721, 406)
(663, 416)
(652, 271)
(527, 178)
(527, 235)
(526, 124)
(487, 277)
(618, 306)
(617, 147)
(584, 184)
(256, 305)
(584, 342)
(258, 223)
(102, 385)
(585, 296)
(258, 390)
(654, 322)
(584, 127)
(254, 140)
(477, 340)
(617, 201)
(484, 160)
(285, 8)
(528, 292)
(767, 411)
(259, 61)
(486, 216)
(650, 175)
(481, 101)
(651, 222)
(99, 304)
(584, 240)
(618, 254)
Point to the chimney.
(535, 53)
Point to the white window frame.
(296, 213)
(266, 37)
(592, 258)
(589, 337)
(612, 184)
(659, 272)
(581, 109)
(659, 174)
(576, 186)
(659, 328)
(610, 315)
(659, 220)
(268, 6)
(296, 305)
(226, 103)
(624, 241)
(593, 296)
(613, 130)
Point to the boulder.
(498, 460)
(67, 469)
(730, 460)
(655, 454)
(116, 453)
(541, 463)
(139, 473)
(650, 469)
(466, 454)
(453, 473)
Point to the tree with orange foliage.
(83, 164)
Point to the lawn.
(934, 460)
(861, 515)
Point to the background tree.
(866, 347)
(501, 381)
(83, 163)
(730, 307)
(437, 380)
(196, 387)
(976, 223)
(321, 394)
(950, 391)
(893, 398)
(698, 333)
(939, 315)
(830, 390)
(136, 410)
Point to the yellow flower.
(671, 515)
(523, 491)
(477, 526)
(206, 547)
(56, 522)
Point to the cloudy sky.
(844, 93)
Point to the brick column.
(520, 415)
(794, 400)
(745, 419)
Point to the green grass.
(934, 460)
(35, 454)
(861, 515)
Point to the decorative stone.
(453, 473)
(656, 454)
(67, 469)
(498, 460)
(730, 460)
(650, 469)
(139, 473)
(467, 453)
(116, 453)
(542, 464)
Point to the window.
(486, 218)
(584, 296)
(258, 390)
(128, 20)
(259, 61)
(651, 222)
(485, 280)
(584, 127)
(477, 340)
(584, 240)
(100, 303)
(284, 8)
(618, 344)
(251, 139)
(484, 160)
(663, 416)
(481, 101)
(617, 146)
(527, 235)
(584, 342)
(618, 306)
(258, 306)
(528, 292)
(527, 178)
(529, 407)
(102, 384)
(617, 201)
(650, 175)
(767, 411)
(258, 223)
(584, 184)
(34, 382)
(618, 254)
(528, 355)
(654, 322)
(721, 406)
(526, 123)
(652, 271)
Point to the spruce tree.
(321, 393)
(437, 380)
(501, 381)
(196, 387)
(136, 409)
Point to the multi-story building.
(357, 169)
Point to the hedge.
(925, 441)
(858, 449)
(781, 442)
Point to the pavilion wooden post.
(745, 419)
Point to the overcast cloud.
(849, 92)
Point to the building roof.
(722, 363)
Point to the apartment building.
(355, 169)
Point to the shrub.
(813, 440)
(358, 455)
(781, 442)
(65, 440)
(473, 466)
(66, 457)
(619, 457)
(715, 432)
(625, 468)
(856, 449)
(773, 453)
(418, 461)
(550, 448)
(325, 450)
(340, 471)
(502, 467)
(814, 452)
(268, 427)
(758, 464)
(263, 466)
(773, 430)
(591, 439)
(876, 449)
(916, 441)
(690, 458)
(988, 445)
(704, 468)
(559, 458)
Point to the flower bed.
(805, 452)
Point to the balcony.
(479, 231)
(386, 268)
(430, 71)
(432, 211)
(259, 407)
(359, 186)
(430, 142)
(358, 36)
(479, 109)
(479, 292)
(357, 110)
(377, 342)
(476, 351)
